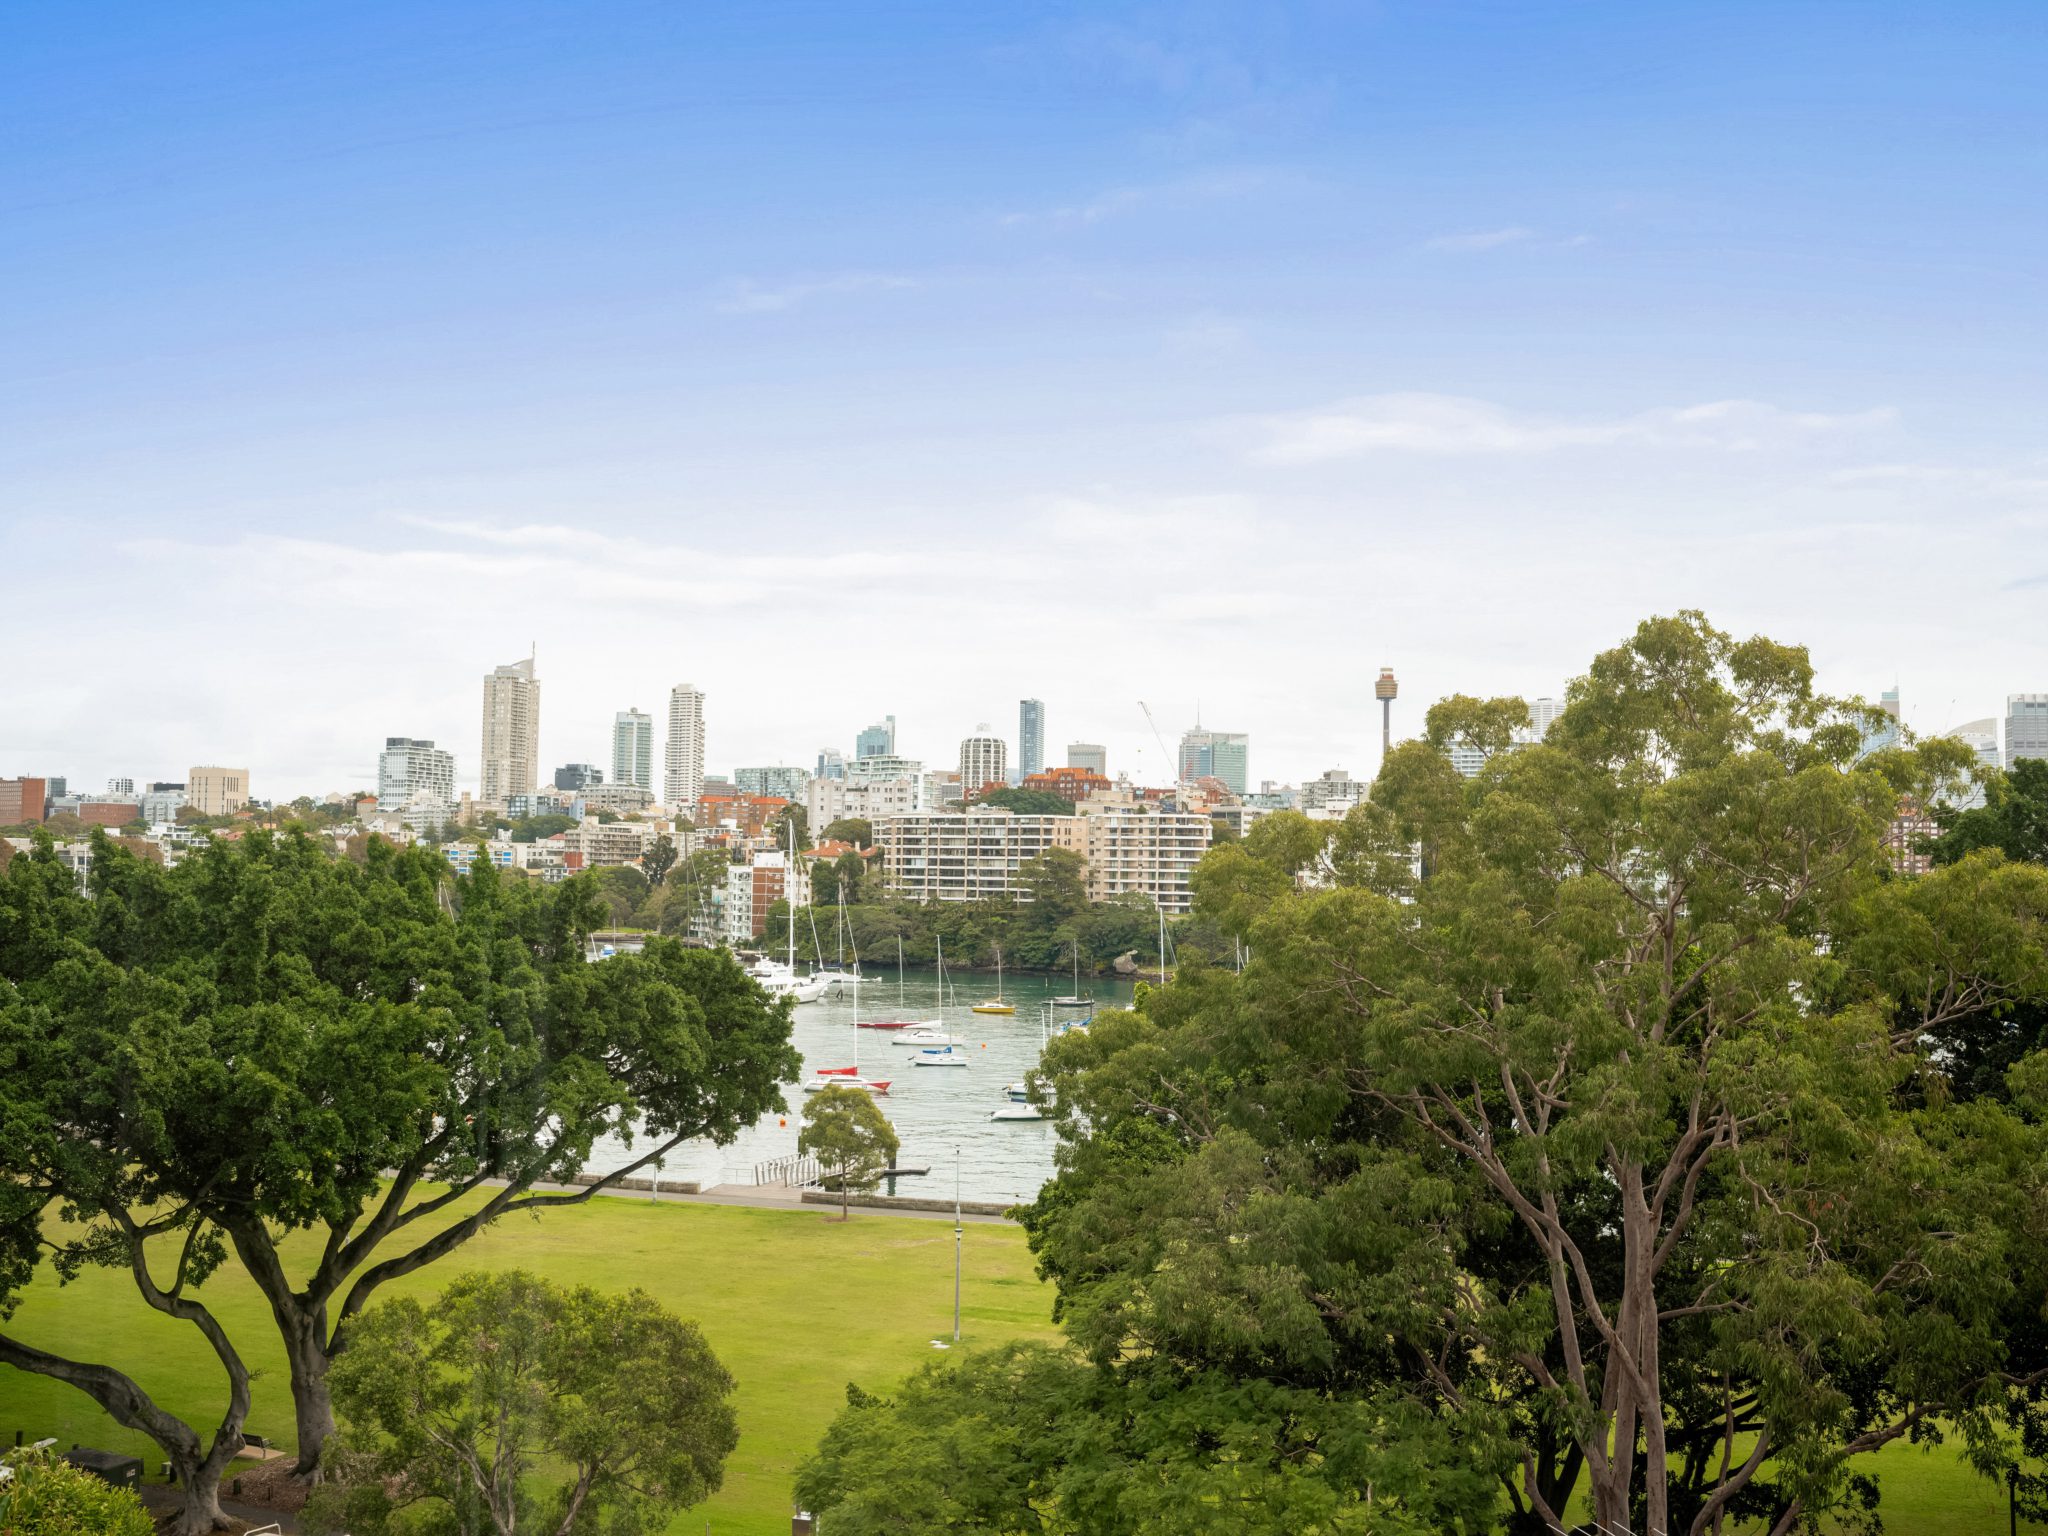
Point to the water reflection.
(934, 1109)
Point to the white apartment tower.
(511, 755)
(417, 779)
(633, 749)
(683, 782)
(984, 759)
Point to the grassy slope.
(796, 1306)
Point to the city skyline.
(1213, 382)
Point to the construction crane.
(1164, 755)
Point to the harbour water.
(940, 1113)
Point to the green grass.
(795, 1305)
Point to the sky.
(846, 360)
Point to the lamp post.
(956, 1245)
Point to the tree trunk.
(312, 1406)
(199, 1508)
(198, 1472)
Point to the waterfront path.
(776, 1197)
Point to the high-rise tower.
(633, 749)
(1384, 690)
(984, 760)
(511, 755)
(1030, 736)
(683, 783)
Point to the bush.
(47, 1496)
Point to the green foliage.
(531, 829)
(2013, 818)
(1028, 1441)
(511, 1403)
(857, 830)
(850, 1137)
(1570, 1125)
(1028, 802)
(266, 1039)
(659, 859)
(47, 1496)
(624, 890)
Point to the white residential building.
(827, 800)
(610, 843)
(1144, 849)
(968, 855)
(1090, 755)
(416, 779)
(683, 781)
(976, 854)
(984, 760)
(1330, 797)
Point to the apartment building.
(22, 800)
(1072, 785)
(1145, 849)
(511, 732)
(976, 854)
(969, 855)
(828, 800)
(217, 791)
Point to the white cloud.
(1472, 242)
(744, 296)
(1188, 192)
(1481, 240)
(1455, 424)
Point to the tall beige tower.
(511, 755)
(682, 782)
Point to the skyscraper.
(417, 779)
(1386, 690)
(878, 740)
(2026, 726)
(1224, 755)
(1091, 755)
(1543, 715)
(511, 755)
(683, 783)
(984, 760)
(1884, 735)
(633, 748)
(831, 763)
(1030, 736)
(1981, 737)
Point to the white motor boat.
(1017, 1113)
(1017, 1093)
(924, 1035)
(948, 1057)
(865, 1085)
(778, 980)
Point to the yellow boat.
(996, 1003)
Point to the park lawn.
(795, 1303)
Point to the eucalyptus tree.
(1596, 1123)
(268, 1042)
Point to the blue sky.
(849, 359)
